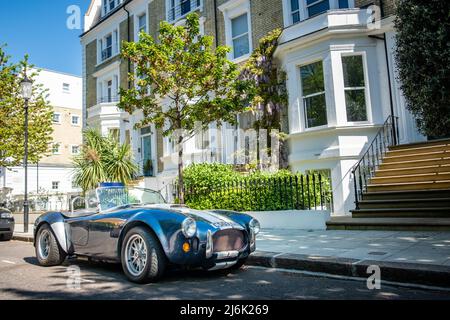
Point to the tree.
(182, 81)
(12, 114)
(423, 59)
(102, 159)
(267, 90)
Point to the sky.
(39, 28)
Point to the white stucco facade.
(339, 144)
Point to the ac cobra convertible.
(137, 228)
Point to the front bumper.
(203, 255)
(7, 226)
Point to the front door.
(147, 156)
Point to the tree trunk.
(180, 170)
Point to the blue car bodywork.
(222, 238)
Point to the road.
(22, 278)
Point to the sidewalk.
(403, 256)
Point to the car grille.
(228, 240)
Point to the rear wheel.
(6, 237)
(48, 251)
(143, 259)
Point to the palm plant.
(102, 159)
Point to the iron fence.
(294, 192)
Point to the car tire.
(140, 266)
(48, 251)
(6, 237)
(238, 264)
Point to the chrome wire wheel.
(136, 255)
(44, 244)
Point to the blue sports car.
(138, 228)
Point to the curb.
(24, 238)
(412, 273)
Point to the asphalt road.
(22, 278)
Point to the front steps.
(409, 191)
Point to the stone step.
(418, 177)
(412, 194)
(426, 185)
(418, 150)
(416, 156)
(414, 163)
(394, 224)
(443, 212)
(412, 170)
(421, 144)
(405, 203)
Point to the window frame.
(366, 87)
(58, 148)
(59, 117)
(304, 97)
(73, 146)
(303, 10)
(173, 17)
(247, 34)
(77, 124)
(58, 184)
(232, 10)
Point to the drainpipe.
(128, 37)
(216, 27)
(391, 99)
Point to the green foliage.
(423, 58)
(218, 186)
(12, 114)
(181, 81)
(102, 159)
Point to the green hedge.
(218, 186)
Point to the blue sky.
(38, 27)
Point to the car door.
(104, 230)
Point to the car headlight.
(189, 227)
(255, 226)
(6, 215)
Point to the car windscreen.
(112, 197)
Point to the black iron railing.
(182, 8)
(365, 169)
(293, 192)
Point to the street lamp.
(25, 92)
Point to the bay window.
(354, 87)
(313, 95)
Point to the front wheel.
(48, 251)
(238, 264)
(143, 259)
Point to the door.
(147, 156)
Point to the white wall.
(14, 178)
(53, 81)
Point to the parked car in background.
(137, 228)
(6, 224)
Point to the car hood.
(215, 219)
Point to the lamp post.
(26, 90)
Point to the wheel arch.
(138, 223)
(55, 221)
